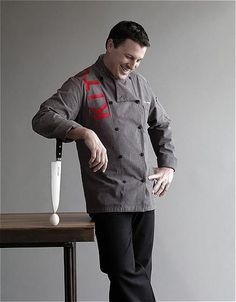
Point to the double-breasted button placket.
(123, 114)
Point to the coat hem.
(120, 209)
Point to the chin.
(122, 76)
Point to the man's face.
(121, 61)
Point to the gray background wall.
(191, 68)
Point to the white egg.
(54, 219)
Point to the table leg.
(70, 271)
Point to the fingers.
(92, 158)
(98, 160)
(161, 181)
(154, 176)
(165, 190)
(160, 188)
(104, 167)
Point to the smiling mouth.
(125, 70)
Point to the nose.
(132, 65)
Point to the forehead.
(131, 47)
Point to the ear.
(110, 45)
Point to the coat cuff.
(168, 161)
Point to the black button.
(140, 127)
(137, 101)
(110, 102)
(124, 181)
(143, 180)
(142, 154)
(117, 129)
(120, 156)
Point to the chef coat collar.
(103, 71)
(124, 88)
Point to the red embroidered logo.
(99, 113)
(96, 96)
(102, 111)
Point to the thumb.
(152, 177)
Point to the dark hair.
(128, 30)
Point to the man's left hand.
(162, 179)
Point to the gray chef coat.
(124, 114)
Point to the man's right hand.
(98, 160)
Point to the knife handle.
(58, 149)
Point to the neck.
(106, 61)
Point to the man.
(111, 111)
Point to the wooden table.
(35, 230)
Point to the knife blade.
(56, 176)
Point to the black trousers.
(125, 242)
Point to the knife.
(56, 182)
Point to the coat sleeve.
(161, 134)
(57, 115)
